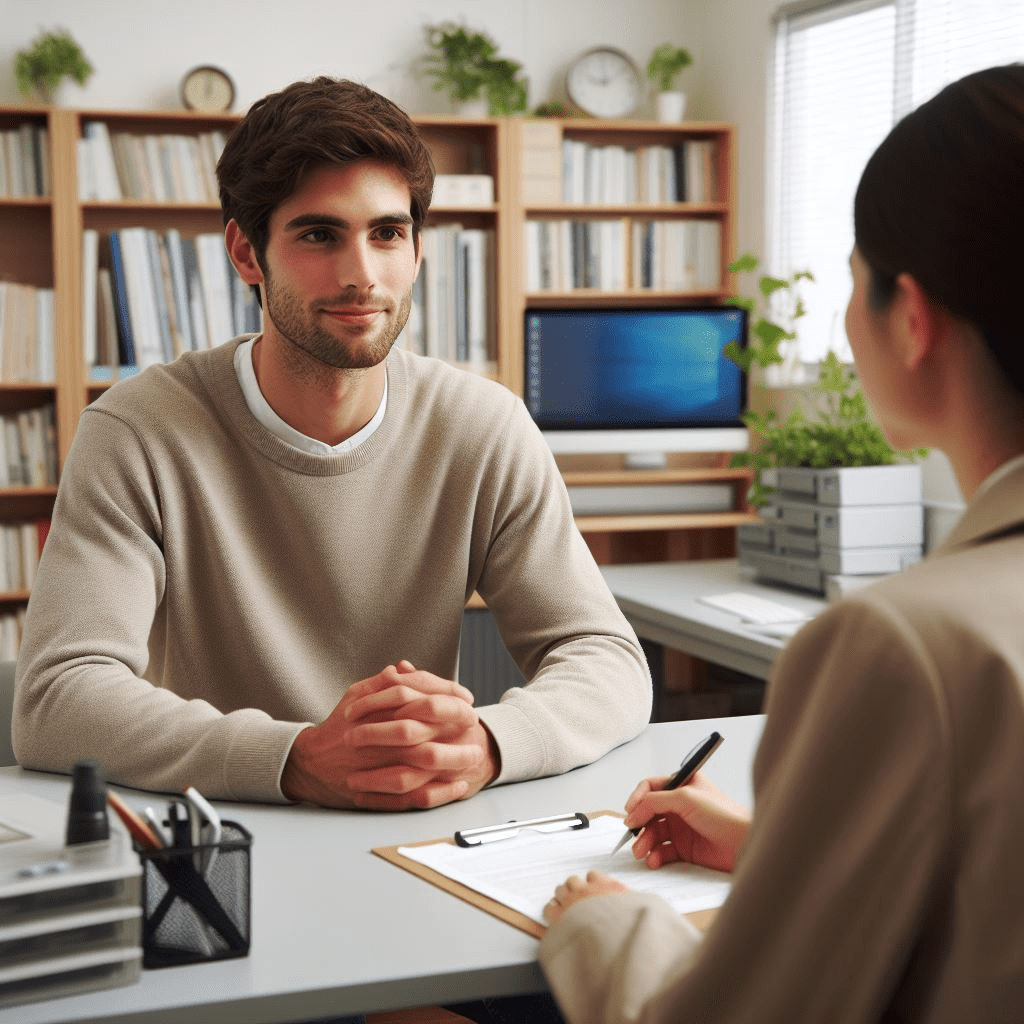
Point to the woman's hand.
(697, 823)
(575, 889)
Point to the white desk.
(660, 601)
(338, 930)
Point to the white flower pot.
(670, 106)
(472, 108)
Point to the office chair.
(6, 711)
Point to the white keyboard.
(754, 609)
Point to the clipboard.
(464, 892)
(701, 918)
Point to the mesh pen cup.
(196, 900)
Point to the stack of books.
(149, 296)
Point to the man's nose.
(355, 267)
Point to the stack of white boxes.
(70, 916)
(827, 530)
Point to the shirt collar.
(260, 408)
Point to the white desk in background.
(338, 930)
(661, 601)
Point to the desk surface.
(338, 930)
(660, 599)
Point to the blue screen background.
(640, 368)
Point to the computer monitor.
(641, 382)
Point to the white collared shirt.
(260, 408)
(997, 474)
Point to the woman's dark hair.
(324, 121)
(942, 199)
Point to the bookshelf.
(28, 263)
(41, 245)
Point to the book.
(179, 288)
(142, 303)
(90, 272)
(108, 184)
(216, 287)
(119, 287)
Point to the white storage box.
(852, 485)
(865, 526)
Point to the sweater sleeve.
(81, 686)
(853, 802)
(589, 688)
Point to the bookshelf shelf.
(650, 521)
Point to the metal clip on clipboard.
(492, 833)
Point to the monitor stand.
(646, 460)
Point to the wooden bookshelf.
(41, 245)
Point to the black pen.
(690, 766)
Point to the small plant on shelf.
(52, 57)
(839, 430)
(465, 65)
(665, 64)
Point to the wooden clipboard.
(491, 906)
(701, 918)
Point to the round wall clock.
(604, 82)
(208, 89)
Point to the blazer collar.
(995, 510)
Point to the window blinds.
(845, 72)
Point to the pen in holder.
(196, 901)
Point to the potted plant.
(465, 65)
(831, 425)
(52, 57)
(664, 65)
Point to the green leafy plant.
(52, 56)
(665, 63)
(773, 314)
(465, 65)
(838, 430)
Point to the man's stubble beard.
(303, 335)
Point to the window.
(845, 72)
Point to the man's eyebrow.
(307, 220)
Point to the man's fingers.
(422, 796)
(429, 719)
(371, 696)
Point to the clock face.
(604, 82)
(208, 89)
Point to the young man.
(260, 554)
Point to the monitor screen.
(652, 368)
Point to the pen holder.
(196, 901)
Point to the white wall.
(141, 48)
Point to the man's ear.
(242, 254)
(921, 321)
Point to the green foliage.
(465, 65)
(838, 431)
(52, 56)
(666, 62)
(550, 108)
(766, 332)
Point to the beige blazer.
(883, 878)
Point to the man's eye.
(389, 234)
(317, 235)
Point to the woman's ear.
(242, 254)
(921, 322)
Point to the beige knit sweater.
(207, 589)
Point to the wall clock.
(208, 89)
(604, 82)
